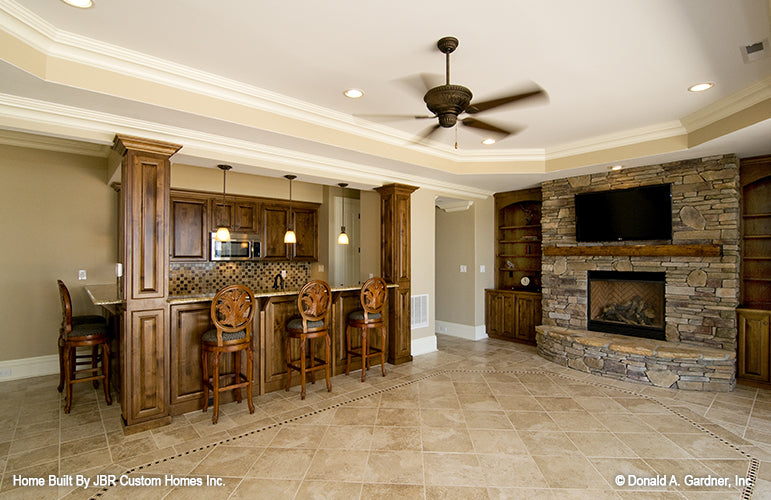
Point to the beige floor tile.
(355, 416)
(335, 465)
(532, 421)
(548, 443)
(394, 467)
(401, 491)
(448, 440)
(600, 444)
(576, 421)
(653, 445)
(568, 472)
(282, 463)
(396, 438)
(701, 445)
(217, 489)
(432, 417)
(233, 461)
(453, 470)
(397, 417)
(251, 488)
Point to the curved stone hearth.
(662, 364)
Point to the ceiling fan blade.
(392, 118)
(426, 133)
(477, 107)
(420, 83)
(479, 124)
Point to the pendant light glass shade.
(342, 238)
(289, 236)
(223, 233)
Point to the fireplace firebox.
(627, 303)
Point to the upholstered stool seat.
(373, 296)
(313, 302)
(232, 312)
(77, 332)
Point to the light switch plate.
(463, 269)
(82, 274)
(321, 268)
(482, 268)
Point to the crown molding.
(738, 101)
(96, 127)
(50, 143)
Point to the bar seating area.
(232, 312)
(313, 303)
(370, 316)
(83, 331)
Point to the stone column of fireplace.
(701, 292)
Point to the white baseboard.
(15, 369)
(423, 345)
(467, 332)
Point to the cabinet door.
(246, 217)
(527, 317)
(306, 228)
(509, 326)
(493, 313)
(222, 215)
(753, 355)
(189, 228)
(188, 323)
(274, 224)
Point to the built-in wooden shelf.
(638, 250)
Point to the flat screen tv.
(641, 213)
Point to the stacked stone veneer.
(701, 293)
(662, 364)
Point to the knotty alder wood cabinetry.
(194, 215)
(190, 320)
(753, 355)
(513, 309)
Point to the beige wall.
(369, 230)
(484, 254)
(67, 216)
(423, 222)
(455, 248)
(210, 179)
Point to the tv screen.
(641, 213)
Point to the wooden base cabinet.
(512, 315)
(754, 356)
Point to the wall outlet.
(283, 273)
(321, 268)
(482, 268)
(6, 372)
(463, 269)
(82, 274)
(371, 275)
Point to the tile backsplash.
(199, 278)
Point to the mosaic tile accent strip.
(198, 278)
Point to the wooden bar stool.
(373, 296)
(232, 312)
(313, 303)
(82, 331)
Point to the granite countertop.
(258, 293)
(104, 295)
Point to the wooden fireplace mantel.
(705, 250)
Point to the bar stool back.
(232, 312)
(81, 331)
(313, 303)
(373, 296)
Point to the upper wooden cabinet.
(755, 178)
(189, 215)
(275, 220)
(194, 215)
(240, 216)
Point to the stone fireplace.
(700, 289)
(626, 303)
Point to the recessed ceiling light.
(353, 93)
(81, 4)
(701, 87)
(488, 141)
(616, 167)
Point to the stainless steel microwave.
(240, 247)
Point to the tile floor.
(486, 419)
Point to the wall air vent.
(419, 311)
(755, 51)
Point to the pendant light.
(223, 233)
(289, 236)
(342, 238)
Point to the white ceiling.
(609, 67)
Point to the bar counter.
(174, 363)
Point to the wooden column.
(395, 266)
(144, 252)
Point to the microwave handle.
(254, 250)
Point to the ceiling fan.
(447, 102)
